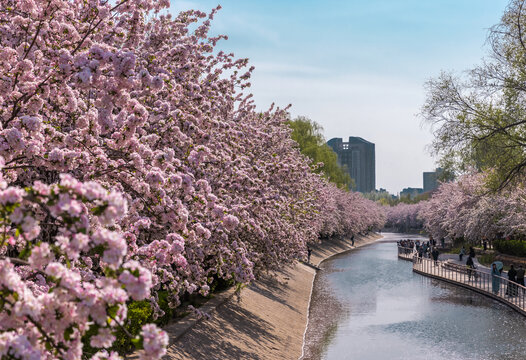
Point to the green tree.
(407, 199)
(308, 135)
(479, 120)
(382, 197)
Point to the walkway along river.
(368, 304)
(482, 281)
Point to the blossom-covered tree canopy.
(132, 162)
(404, 217)
(466, 209)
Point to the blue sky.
(357, 68)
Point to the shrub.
(486, 259)
(511, 247)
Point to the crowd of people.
(407, 245)
(424, 249)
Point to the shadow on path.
(272, 288)
(218, 342)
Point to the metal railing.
(405, 253)
(494, 286)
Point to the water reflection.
(384, 311)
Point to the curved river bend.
(368, 304)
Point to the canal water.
(368, 304)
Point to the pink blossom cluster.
(132, 162)
(346, 213)
(404, 217)
(468, 209)
(52, 293)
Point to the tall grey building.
(358, 158)
(430, 179)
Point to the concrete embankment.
(266, 321)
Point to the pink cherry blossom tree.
(467, 209)
(404, 217)
(133, 162)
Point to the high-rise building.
(357, 157)
(430, 179)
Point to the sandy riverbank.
(268, 319)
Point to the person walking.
(520, 275)
(472, 252)
(435, 254)
(309, 252)
(470, 265)
(495, 280)
(352, 240)
(420, 251)
(432, 241)
(512, 277)
(461, 253)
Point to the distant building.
(358, 158)
(411, 192)
(431, 179)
